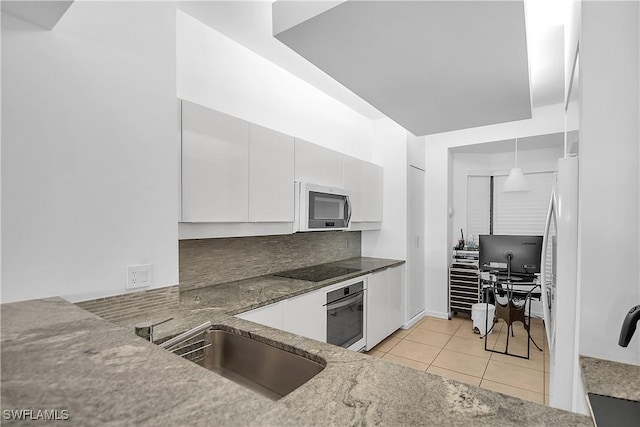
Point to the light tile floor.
(451, 349)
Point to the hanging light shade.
(516, 180)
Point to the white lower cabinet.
(377, 308)
(306, 315)
(396, 298)
(303, 315)
(269, 315)
(385, 304)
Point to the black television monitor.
(524, 253)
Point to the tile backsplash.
(206, 262)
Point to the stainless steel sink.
(260, 367)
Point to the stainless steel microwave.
(320, 208)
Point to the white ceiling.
(249, 23)
(553, 140)
(431, 66)
(45, 14)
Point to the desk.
(510, 299)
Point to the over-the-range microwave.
(319, 208)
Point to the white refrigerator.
(560, 291)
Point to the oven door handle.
(346, 300)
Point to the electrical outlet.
(138, 276)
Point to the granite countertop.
(610, 378)
(58, 356)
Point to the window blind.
(524, 213)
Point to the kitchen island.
(56, 356)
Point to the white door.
(416, 254)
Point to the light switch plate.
(138, 276)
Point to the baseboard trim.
(415, 319)
(437, 314)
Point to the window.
(513, 213)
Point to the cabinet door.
(353, 182)
(306, 315)
(269, 315)
(317, 165)
(271, 166)
(215, 166)
(372, 192)
(377, 308)
(396, 298)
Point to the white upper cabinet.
(365, 181)
(317, 165)
(353, 183)
(238, 177)
(371, 192)
(215, 166)
(271, 172)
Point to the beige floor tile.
(387, 344)
(441, 326)
(474, 347)
(425, 336)
(375, 353)
(415, 351)
(463, 378)
(535, 361)
(515, 376)
(466, 330)
(457, 320)
(460, 362)
(513, 391)
(406, 362)
(467, 333)
(401, 333)
(517, 343)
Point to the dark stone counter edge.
(610, 378)
(313, 286)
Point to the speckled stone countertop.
(610, 378)
(58, 356)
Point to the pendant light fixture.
(516, 180)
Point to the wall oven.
(346, 316)
(321, 208)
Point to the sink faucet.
(629, 326)
(145, 329)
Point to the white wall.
(609, 203)
(88, 151)
(439, 188)
(217, 72)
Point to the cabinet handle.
(417, 241)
